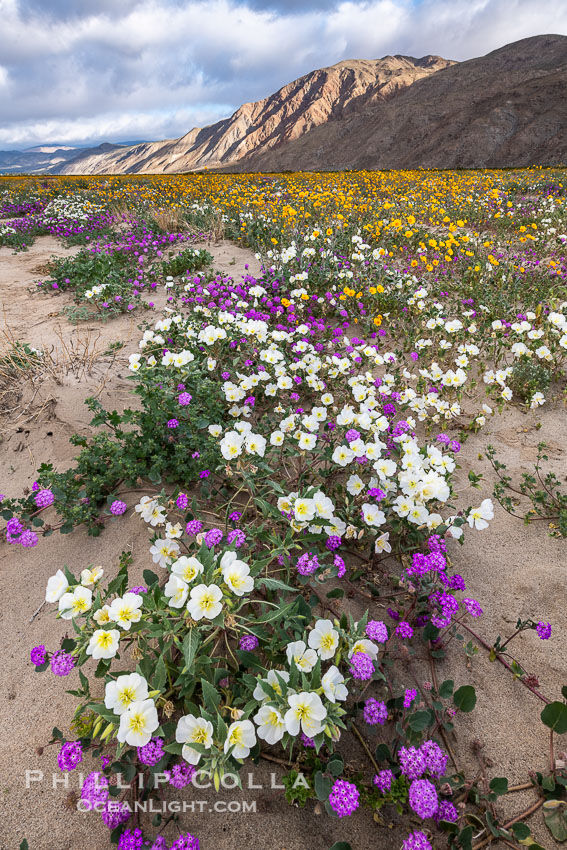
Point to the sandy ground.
(512, 569)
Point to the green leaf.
(211, 696)
(323, 786)
(499, 785)
(160, 676)
(521, 831)
(465, 698)
(555, 820)
(191, 643)
(275, 584)
(24, 845)
(446, 689)
(150, 577)
(420, 720)
(341, 845)
(554, 716)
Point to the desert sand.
(513, 569)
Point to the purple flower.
(44, 498)
(333, 542)
(139, 588)
(443, 438)
(404, 630)
(383, 780)
(151, 752)
(417, 841)
(423, 798)
(543, 630)
(70, 755)
(307, 741)
(454, 446)
(248, 643)
(62, 663)
(180, 774)
(204, 473)
(446, 811)
(159, 844)
(412, 762)
(351, 435)
(184, 399)
(117, 508)
(361, 666)
(94, 790)
(185, 842)
(14, 526)
(343, 798)
(38, 655)
(182, 501)
(409, 697)
(435, 758)
(193, 527)
(213, 536)
(131, 840)
(375, 713)
(172, 423)
(236, 537)
(340, 565)
(307, 564)
(377, 630)
(472, 607)
(115, 813)
(234, 516)
(28, 539)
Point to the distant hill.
(508, 108)
(292, 111)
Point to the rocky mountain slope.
(312, 100)
(508, 108)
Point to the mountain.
(34, 160)
(508, 108)
(310, 101)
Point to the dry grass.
(169, 220)
(26, 375)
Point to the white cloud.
(77, 70)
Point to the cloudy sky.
(85, 71)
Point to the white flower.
(151, 511)
(125, 690)
(177, 591)
(381, 544)
(304, 509)
(173, 531)
(342, 455)
(104, 644)
(333, 685)
(76, 602)
(305, 659)
(137, 723)
(126, 610)
(306, 711)
(241, 737)
(372, 515)
(307, 441)
(187, 568)
(56, 587)
(102, 616)
(255, 444)
(324, 638)
(163, 551)
(214, 430)
(231, 445)
(478, 516)
(193, 730)
(205, 602)
(324, 507)
(90, 577)
(271, 726)
(236, 574)
(355, 485)
(272, 680)
(277, 438)
(365, 646)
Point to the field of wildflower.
(295, 448)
